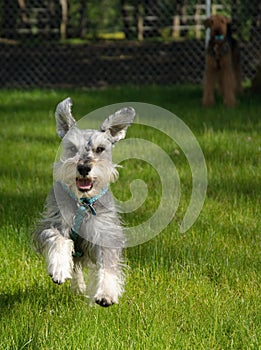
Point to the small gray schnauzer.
(80, 226)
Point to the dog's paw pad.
(104, 302)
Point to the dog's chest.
(218, 51)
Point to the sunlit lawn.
(198, 290)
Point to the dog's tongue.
(84, 184)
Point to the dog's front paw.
(60, 277)
(60, 271)
(59, 260)
(104, 301)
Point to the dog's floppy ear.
(64, 117)
(207, 22)
(118, 123)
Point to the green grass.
(199, 290)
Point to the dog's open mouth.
(84, 184)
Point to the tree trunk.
(138, 17)
(82, 29)
(63, 26)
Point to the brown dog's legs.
(208, 87)
(228, 82)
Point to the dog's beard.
(101, 175)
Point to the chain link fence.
(50, 43)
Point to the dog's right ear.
(207, 23)
(64, 117)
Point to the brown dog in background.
(222, 62)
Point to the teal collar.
(88, 202)
(219, 37)
(83, 205)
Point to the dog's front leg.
(110, 278)
(208, 87)
(57, 251)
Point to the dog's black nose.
(83, 169)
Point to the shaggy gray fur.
(84, 170)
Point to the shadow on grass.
(19, 209)
(42, 298)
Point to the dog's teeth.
(84, 184)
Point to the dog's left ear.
(118, 123)
(64, 117)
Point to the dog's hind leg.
(57, 251)
(77, 282)
(228, 85)
(227, 81)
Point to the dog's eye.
(73, 149)
(100, 149)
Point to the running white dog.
(80, 226)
